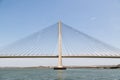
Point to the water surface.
(50, 74)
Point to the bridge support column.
(60, 66)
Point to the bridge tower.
(60, 66)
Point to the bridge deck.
(57, 56)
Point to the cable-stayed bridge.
(59, 41)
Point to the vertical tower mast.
(60, 44)
(60, 66)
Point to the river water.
(50, 74)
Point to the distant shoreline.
(69, 67)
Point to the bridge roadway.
(57, 56)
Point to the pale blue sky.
(98, 18)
